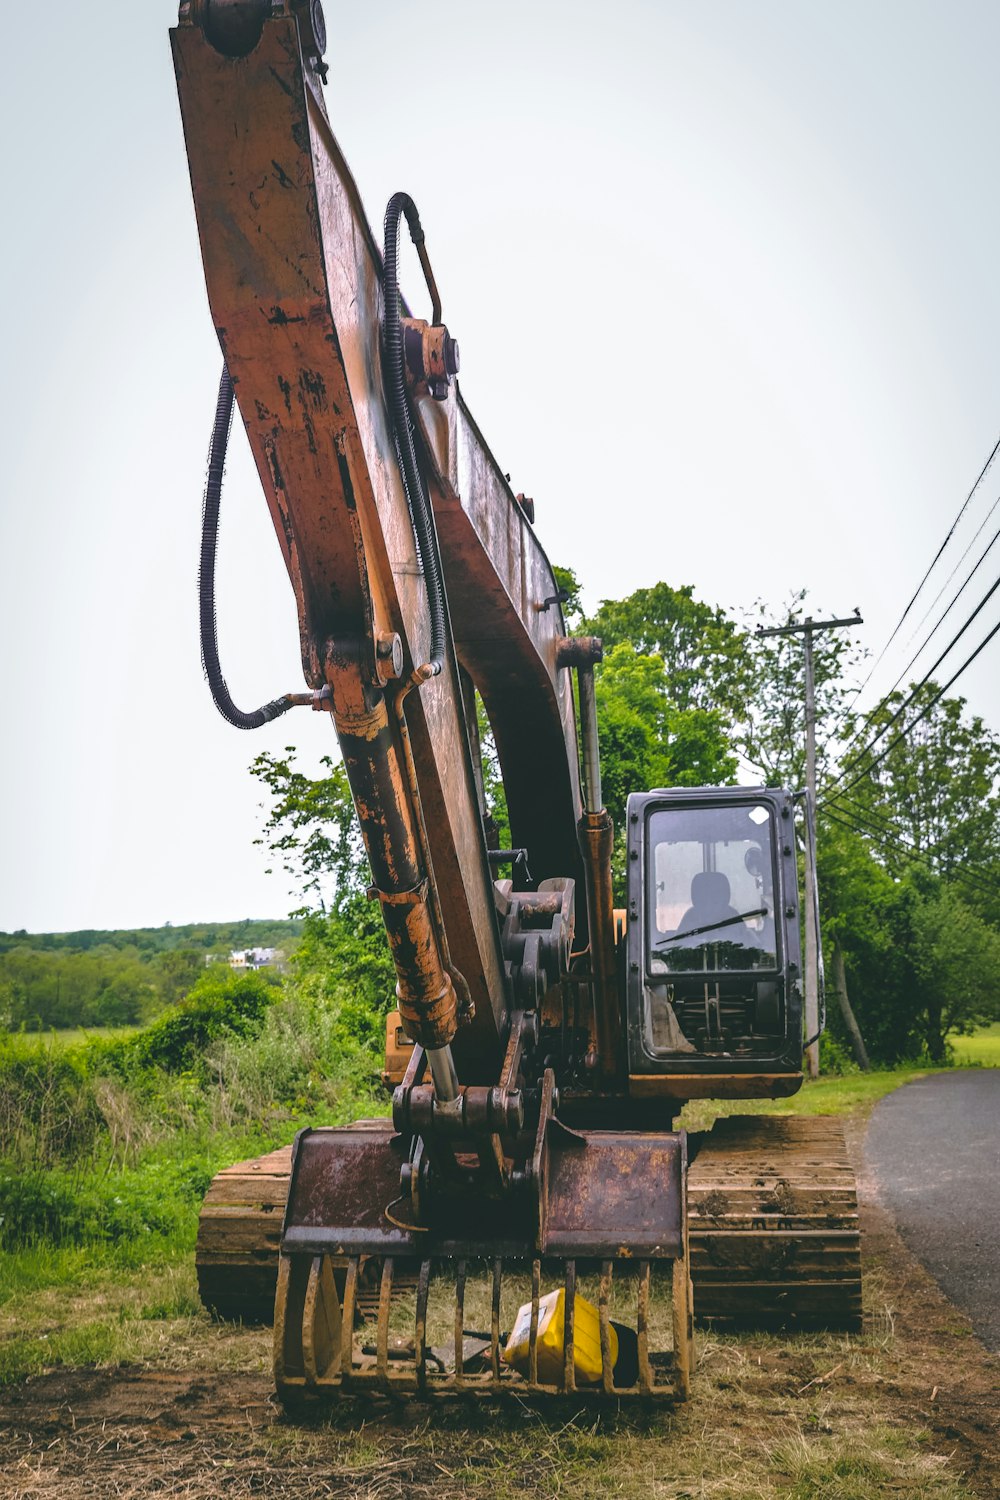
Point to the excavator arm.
(297, 291)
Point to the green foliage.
(113, 1143)
(907, 864)
(342, 960)
(657, 726)
(208, 937)
(497, 817)
(920, 961)
(572, 607)
(835, 1058)
(221, 1002)
(66, 1207)
(48, 1108)
(702, 652)
(97, 979)
(312, 828)
(934, 797)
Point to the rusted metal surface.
(597, 837)
(774, 1228)
(586, 1198)
(746, 1084)
(604, 1193)
(579, 650)
(482, 1168)
(431, 356)
(617, 1194)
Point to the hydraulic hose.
(417, 499)
(206, 575)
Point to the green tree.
(312, 828)
(956, 966)
(571, 588)
(343, 956)
(933, 797)
(702, 651)
(646, 739)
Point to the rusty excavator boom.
(543, 1044)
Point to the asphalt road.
(934, 1149)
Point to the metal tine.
(460, 1324)
(309, 1361)
(569, 1328)
(384, 1301)
(347, 1326)
(536, 1282)
(495, 1318)
(645, 1370)
(604, 1298)
(682, 1328)
(420, 1332)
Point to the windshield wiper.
(712, 926)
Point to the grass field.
(980, 1050)
(73, 1036)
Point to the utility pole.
(807, 629)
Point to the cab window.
(711, 884)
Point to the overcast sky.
(724, 277)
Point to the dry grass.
(797, 1418)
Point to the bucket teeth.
(338, 1328)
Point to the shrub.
(219, 1003)
(834, 1056)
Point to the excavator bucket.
(600, 1291)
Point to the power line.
(884, 827)
(934, 562)
(978, 533)
(896, 844)
(923, 712)
(856, 759)
(859, 733)
(982, 887)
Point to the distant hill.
(120, 976)
(218, 936)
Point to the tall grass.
(108, 1147)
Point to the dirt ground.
(764, 1414)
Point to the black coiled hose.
(206, 574)
(417, 499)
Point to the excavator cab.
(713, 964)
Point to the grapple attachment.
(367, 1301)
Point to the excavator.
(530, 1219)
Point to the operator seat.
(710, 892)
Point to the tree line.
(116, 978)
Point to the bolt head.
(389, 650)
